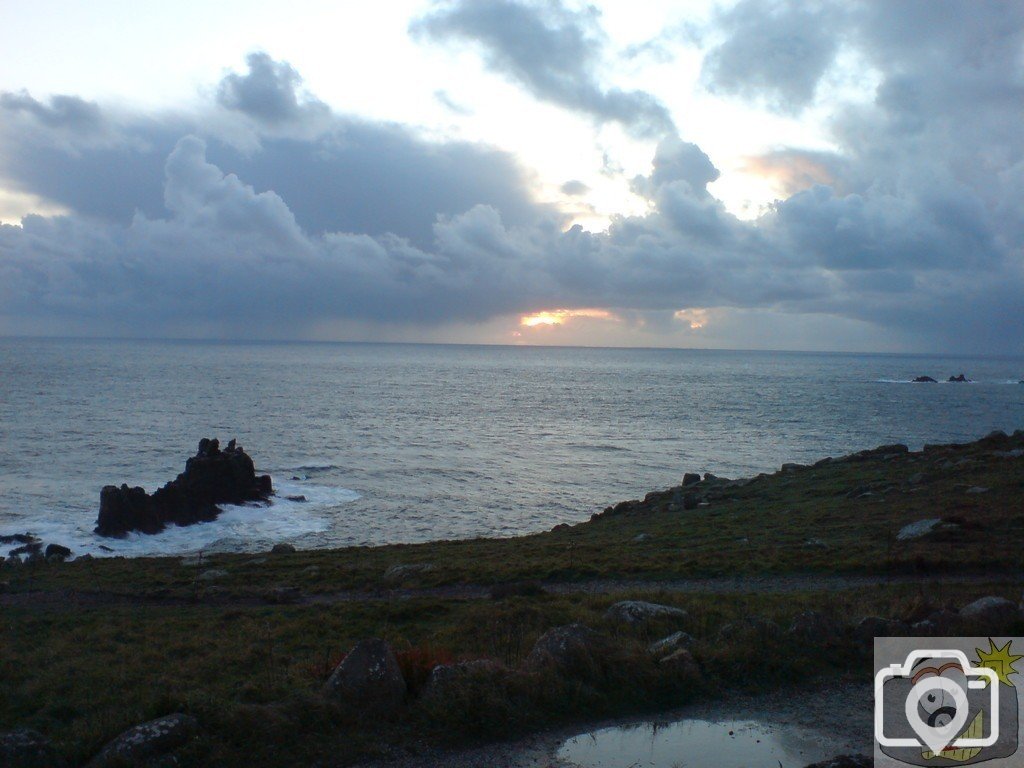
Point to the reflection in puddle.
(693, 744)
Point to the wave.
(239, 528)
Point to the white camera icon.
(937, 738)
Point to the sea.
(405, 443)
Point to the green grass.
(251, 671)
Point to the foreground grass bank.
(88, 649)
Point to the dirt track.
(70, 599)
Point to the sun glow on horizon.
(552, 317)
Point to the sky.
(841, 175)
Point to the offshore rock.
(211, 477)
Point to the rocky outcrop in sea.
(211, 477)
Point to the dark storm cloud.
(550, 50)
(337, 173)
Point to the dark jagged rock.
(690, 478)
(211, 477)
(961, 379)
(19, 538)
(56, 551)
(924, 380)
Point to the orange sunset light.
(559, 316)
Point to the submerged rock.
(56, 553)
(211, 477)
(924, 380)
(961, 379)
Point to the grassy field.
(88, 649)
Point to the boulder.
(924, 380)
(211, 477)
(56, 553)
(637, 612)
(147, 741)
(989, 611)
(27, 749)
(690, 478)
(961, 379)
(669, 645)
(368, 680)
(573, 650)
(284, 548)
(13, 561)
(396, 574)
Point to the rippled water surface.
(694, 744)
(402, 443)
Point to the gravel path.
(67, 598)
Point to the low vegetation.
(90, 648)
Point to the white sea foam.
(237, 528)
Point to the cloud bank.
(268, 214)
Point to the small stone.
(977, 489)
(670, 644)
(212, 574)
(636, 612)
(399, 573)
(148, 741)
(918, 529)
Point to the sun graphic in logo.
(999, 660)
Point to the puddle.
(695, 744)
